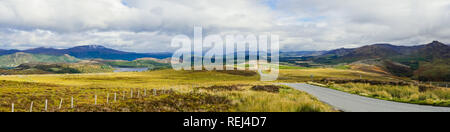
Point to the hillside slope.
(90, 52)
(16, 59)
(423, 62)
(402, 54)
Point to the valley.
(54, 81)
(428, 62)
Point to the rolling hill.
(402, 54)
(90, 52)
(429, 62)
(18, 58)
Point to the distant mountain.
(429, 62)
(7, 52)
(433, 50)
(91, 52)
(95, 51)
(47, 51)
(301, 53)
(18, 58)
(426, 52)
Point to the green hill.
(423, 62)
(408, 55)
(16, 59)
(438, 70)
(151, 64)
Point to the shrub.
(268, 88)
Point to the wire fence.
(70, 103)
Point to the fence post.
(107, 98)
(60, 103)
(46, 103)
(115, 97)
(12, 107)
(31, 106)
(71, 103)
(138, 92)
(131, 93)
(123, 95)
(154, 92)
(95, 100)
(145, 92)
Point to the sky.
(149, 25)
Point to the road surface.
(355, 103)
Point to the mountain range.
(402, 54)
(90, 52)
(428, 62)
(422, 62)
(425, 52)
(18, 58)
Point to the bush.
(424, 88)
(268, 88)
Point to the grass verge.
(405, 94)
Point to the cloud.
(149, 25)
(144, 42)
(356, 22)
(135, 15)
(56, 23)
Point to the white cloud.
(136, 15)
(361, 22)
(111, 22)
(144, 42)
(149, 25)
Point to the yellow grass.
(304, 75)
(178, 94)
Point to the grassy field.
(139, 64)
(59, 68)
(194, 91)
(310, 74)
(162, 90)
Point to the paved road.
(354, 103)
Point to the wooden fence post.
(115, 97)
(123, 95)
(12, 107)
(60, 103)
(31, 106)
(71, 103)
(138, 93)
(131, 93)
(46, 103)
